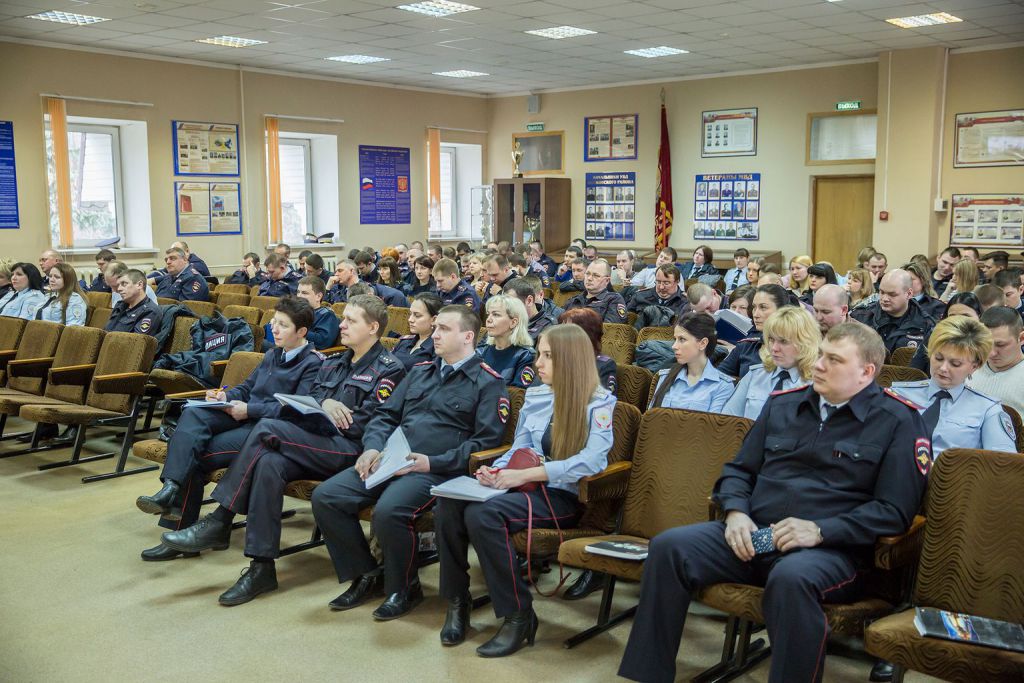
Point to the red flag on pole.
(663, 188)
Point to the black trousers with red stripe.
(685, 559)
(277, 452)
(489, 526)
(206, 439)
(399, 501)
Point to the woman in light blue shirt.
(791, 340)
(26, 295)
(694, 383)
(567, 421)
(66, 304)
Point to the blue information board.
(384, 185)
(727, 206)
(8, 178)
(611, 206)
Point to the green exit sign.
(535, 127)
(852, 105)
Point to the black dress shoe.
(206, 534)
(66, 437)
(361, 590)
(260, 577)
(881, 671)
(160, 502)
(46, 431)
(588, 582)
(399, 604)
(518, 627)
(162, 553)
(456, 621)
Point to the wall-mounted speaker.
(533, 104)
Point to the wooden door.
(843, 213)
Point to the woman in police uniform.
(767, 299)
(791, 340)
(567, 421)
(26, 295)
(694, 383)
(66, 304)
(957, 415)
(418, 346)
(508, 347)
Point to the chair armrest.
(893, 552)
(609, 484)
(72, 374)
(218, 367)
(131, 383)
(185, 395)
(6, 356)
(481, 458)
(30, 367)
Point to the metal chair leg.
(76, 455)
(126, 446)
(605, 619)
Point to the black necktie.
(446, 370)
(735, 279)
(778, 383)
(931, 415)
(830, 410)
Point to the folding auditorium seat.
(233, 289)
(202, 309)
(225, 299)
(249, 314)
(633, 385)
(99, 317)
(98, 299)
(898, 373)
(902, 356)
(618, 342)
(398, 320)
(39, 339)
(657, 333)
(11, 330)
(264, 303)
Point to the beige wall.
(373, 116)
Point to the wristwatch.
(821, 539)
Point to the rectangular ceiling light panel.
(924, 20)
(559, 32)
(460, 73)
(231, 41)
(67, 18)
(437, 8)
(662, 51)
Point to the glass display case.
(532, 208)
(481, 199)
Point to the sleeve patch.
(1007, 424)
(145, 324)
(384, 389)
(923, 456)
(504, 409)
(469, 303)
(526, 376)
(603, 418)
(195, 286)
(621, 308)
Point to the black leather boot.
(588, 582)
(399, 604)
(518, 627)
(456, 621)
(881, 671)
(208, 533)
(361, 590)
(161, 553)
(260, 577)
(161, 502)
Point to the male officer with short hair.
(666, 292)
(281, 279)
(896, 316)
(599, 294)
(451, 288)
(538, 319)
(182, 281)
(135, 312)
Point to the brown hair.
(589, 321)
(867, 287)
(573, 383)
(966, 274)
(390, 266)
(373, 308)
(67, 273)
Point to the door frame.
(814, 203)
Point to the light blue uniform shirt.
(150, 294)
(23, 304)
(708, 395)
(645, 278)
(534, 418)
(970, 419)
(77, 310)
(730, 275)
(756, 386)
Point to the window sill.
(318, 248)
(92, 251)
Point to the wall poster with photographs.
(987, 220)
(729, 133)
(611, 206)
(207, 208)
(989, 138)
(727, 206)
(610, 138)
(209, 149)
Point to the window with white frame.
(97, 205)
(449, 194)
(296, 189)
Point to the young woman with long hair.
(26, 294)
(66, 304)
(694, 383)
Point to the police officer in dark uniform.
(345, 274)
(366, 263)
(451, 289)
(207, 439)
(418, 346)
(103, 257)
(182, 282)
(870, 455)
(281, 279)
(134, 312)
(349, 388)
(324, 332)
(599, 295)
(249, 274)
(666, 292)
(498, 274)
(447, 409)
(390, 295)
(896, 316)
(539, 319)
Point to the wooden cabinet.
(543, 202)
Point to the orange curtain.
(59, 132)
(434, 178)
(274, 180)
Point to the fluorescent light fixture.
(657, 52)
(559, 32)
(67, 18)
(358, 59)
(437, 8)
(924, 20)
(231, 41)
(460, 73)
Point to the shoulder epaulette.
(905, 401)
(601, 357)
(488, 369)
(749, 339)
(982, 394)
(663, 372)
(911, 384)
(319, 354)
(755, 366)
(408, 336)
(781, 392)
(424, 362)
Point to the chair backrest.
(258, 334)
(98, 299)
(516, 398)
(678, 458)
(633, 385)
(398, 319)
(659, 333)
(39, 340)
(99, 317)
(181, 339)
(233, 289)
(389, 343)
(78, 346)
(249, 314)
(11, 330)
(971, 556)
(619, 342)
(631, 317)
(201, 308)
(240, 366)
(339, 309)
(254, 291)
(1018, 426)
(902, 356)
(264, 303)
(898, 373)
(225, 299)
(560, 298)
(121, 352)
(266, 316)
(166, 301)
